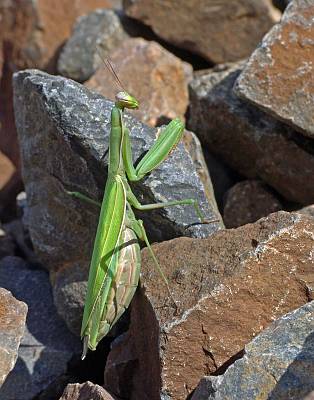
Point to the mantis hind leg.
(138, 228)
(82, 196)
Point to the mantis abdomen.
(124, 284)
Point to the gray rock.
(63, 130)
(249, 140)
(279, 75)
(47, 345)
(12, 325)
(79, 59)
(278, 364)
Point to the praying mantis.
(116, 260)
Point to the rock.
(250, 141)
(12, 324)
(277, 364)
(248, 201)
(309, 210)
(71, 125)
(36, 30)
(85, 391)
(79, 59)
(32, 33)
(156, 77)
(47, 346)
(193, 146)
(219, 283)
(279, 75)
(219, 32)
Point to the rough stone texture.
(47, 345)
(157, 78)
(248, 201)
(70, 126)
(228, 287)
(278, 364)
(12, 325)
(194, 147)
(79, 59)
(279, 75)
(222, 31)
(249, 140)
(32, 33)
(85, 391)
(309, 210)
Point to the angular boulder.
(218, 31)
(12, 324)
(47, 345)
(277, 364)
(247, 139)
(279, 75)
(228, 288)
(157, 78)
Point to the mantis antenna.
(110, 68)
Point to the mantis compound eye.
(125, 100)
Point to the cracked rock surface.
(246, 138)
(278, 364)
(279, 75)
(228, 287)
(12, 325)
(47, 345)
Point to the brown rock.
(32, 34)
(247, 139)
(279, 75)
(156, 77)
(12, 324)
(218, 31)
(228, 287)
(85, 391)
(248, 201)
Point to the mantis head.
(125, 100)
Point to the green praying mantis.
(116, 260)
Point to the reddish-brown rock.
(32, 34)
(222, 31)
(12, 325)
(248, 201)
(246, 138)
(228, 287)
(154, 76)
(9, 185)
(85, 391)
(279, 74)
